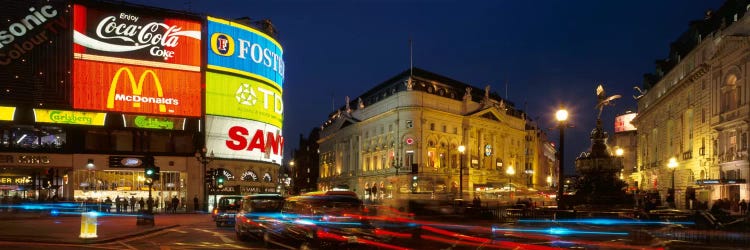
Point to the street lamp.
(510, 171)
(562, 117)
(619, 152)
(461, 150)
(529, 177)
(201, 157)
(672, 164)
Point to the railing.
(704, 236)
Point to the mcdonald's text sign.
(134, 89)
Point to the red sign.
(135, 89)
(136, 34)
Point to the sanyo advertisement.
(232, 138)
(239, 49)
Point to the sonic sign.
(233, 138)
(128, 62)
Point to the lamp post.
(529, 177)
(562, 117)
(461, 150)
(204, 159)
(292, 175)
(672, 164)
(396, 163)
(510, 171)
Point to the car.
(255, 211)
(225, 210)
(321, 221)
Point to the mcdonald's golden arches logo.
(136, 97)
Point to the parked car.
(321, 221)
(226, 209)
(255, 211)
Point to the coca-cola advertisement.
(105, 34)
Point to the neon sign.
(69, 117)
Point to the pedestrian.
(175, 203)
(118, 205)
(743, 207)
(107, 204)
(196, 205)
(132, 203)
(142, 204)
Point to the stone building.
(402, 137)
(695, 109)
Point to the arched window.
(730, 94)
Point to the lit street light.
(461, 150)
(510, 171)
(672, 164)
(562, 117)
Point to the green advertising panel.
(233, 96)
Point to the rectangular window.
(409, 158)
(122, 140)
(160, 142)
(97, 140)
(432, 126)
(445, 129)
(183, 143)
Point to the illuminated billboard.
(107, 32)
(7, 113)
(153, 122)
(35, 52)
(135, 89)
(228, 95)
(239, 49)
(69, 117)
(622, 123)
(232, 138)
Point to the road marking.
(126, 245)
(178, 231)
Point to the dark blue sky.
(549, 52)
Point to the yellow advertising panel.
(239, 97)
(69, 117)
(7, 113)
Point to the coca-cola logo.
(124, 33)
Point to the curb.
(87, 241)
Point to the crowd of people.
(134, 205)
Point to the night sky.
(548, 52)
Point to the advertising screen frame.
(236, 48)
(177, 94)
(623, 122)
(239, 97)
(234, 138)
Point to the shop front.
(244, 181)
(34, 177)
(123, 177)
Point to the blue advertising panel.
(237, 48)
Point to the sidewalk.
(31, 227)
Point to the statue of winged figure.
(603, 99)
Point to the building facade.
(694, 111)
(79, 111)
(403, 137)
